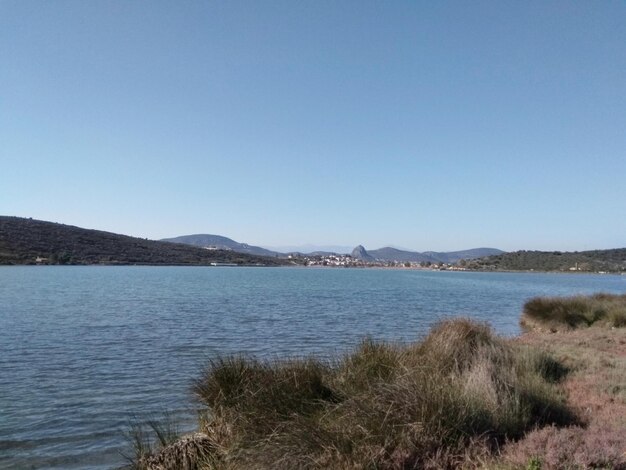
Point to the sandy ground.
(595, 388)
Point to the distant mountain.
(382, 254)
(452, 257)
(613, 260)
(394, 254)
(221, 243)
(27, 241)
(361, 253)
(322, 253)
(310, 249)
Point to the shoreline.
(574, 377)
(283, 266)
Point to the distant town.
(347, 261)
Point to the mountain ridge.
(449, 257)
(206, 240)
(30, 241)
(384, 254)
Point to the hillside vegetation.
(23, 241)
(223, 243)
(613, 260)
(397, 255)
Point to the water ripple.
(85, 349)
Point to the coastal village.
(348, 261)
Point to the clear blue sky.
(426, 125)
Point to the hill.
(221, 243)
(451, 257)
(613, 260)
(361, 254)
(393, 254)
(311, 249)
(225, 243)
(22, 241)
(385, 254)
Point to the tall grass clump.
(567, 313)
(437, 403)
(147, 438)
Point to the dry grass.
(447, 401)
(148, 438)
(567, 313)
(554, 398)
(596, 391)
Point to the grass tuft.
(567, 313)
(255, 398)
(460, 392)
(147, 438)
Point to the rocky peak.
(361, 253)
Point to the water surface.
(84, 349)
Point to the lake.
(85, 350)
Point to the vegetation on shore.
(460, 398)
(27, 241)
(596, 393)
(559, 313)
(613, 260)
(425, 405)
(452, 400)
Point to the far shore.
(375, 267)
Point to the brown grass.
(447, 401)
(596, 391)
(554, 398)
(567, 313)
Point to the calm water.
(84, 349)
